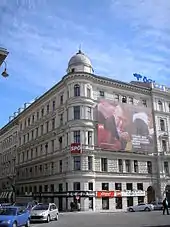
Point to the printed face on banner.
(124, 127)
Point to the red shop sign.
(101, 194)
(75, 148)
(118, 194)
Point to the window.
(53, 106)
(144, 102)
(33, 118)
(140, 186)
(48, 108)
(104, 164)
(32, 134)
(76, 186)
(77, 162)
(36, 132)
(89, 113)
(128, 167)
(129, 186)
(120, 165)
(90, 163)
(169, 107)
(76, 90)
(77, 136)
(28, 136)
(46, 188)
(60, 187)
(105, 203)
(38, 115)
(89, 138)
(101, 93)
(61, 119)
(90, 186)
(40, 188)
(118, 186)
(118, 201)
(76, 112)
(129, 201)
(162, 125)
(116, 98)
(53, 123)
(149, 167)
(60, 166)
(105, 186)
(124, 99)
(73, 70)
(46, 148)
(60, 140)
(42, 112)
(130, 100)
(160, 105)
(41, 129)
(52, 188)
(52, 167)
(135, 166)
(61, 100)
(29, 121)
(166, 168)
(47, 126)
(52, 145)
(88, 93)
(164, 145)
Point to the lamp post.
(4, 73)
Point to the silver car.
(44, 212)
(141, 207)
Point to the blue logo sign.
(143, 78)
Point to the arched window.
(160, 105)
(76, 90)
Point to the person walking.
(165, 206)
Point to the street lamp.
(4, 73)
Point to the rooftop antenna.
(79, 49)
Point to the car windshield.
(8, 211)
(41, 207)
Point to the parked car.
(28, 206)
(141, 207)
(44, 212)
(157, 205)
(11, 216)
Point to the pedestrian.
(165, 206)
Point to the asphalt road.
(138, 219)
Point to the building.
(8, 149)
(3, 55)
(89, 139)
(161, 107)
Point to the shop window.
(140, 199)
(129, 186)
(105, 186)
(35, 188)
(76, 186)
(46, 188)
(118, 201)
(118, 186)
(140, 186)
(129, 201)
(105, 203)
(90, 186)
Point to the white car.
(141, 207)
(44, 212)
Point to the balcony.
(3, 55)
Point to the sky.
(121, 37)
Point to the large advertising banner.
(124, 127)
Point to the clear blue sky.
(121, 37)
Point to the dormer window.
(76, 90)
(73, 70)
(124, 99)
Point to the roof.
(79, 59)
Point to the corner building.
(77, 142)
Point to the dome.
(79, 59)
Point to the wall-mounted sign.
(75, 148)
(101, 194)
(133, 193)
(143, 78)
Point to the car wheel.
(147, 209)
(48, 218)
(28, 223)
(14, 224)
(131, 210)
(56, 218)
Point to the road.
(138, 219)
